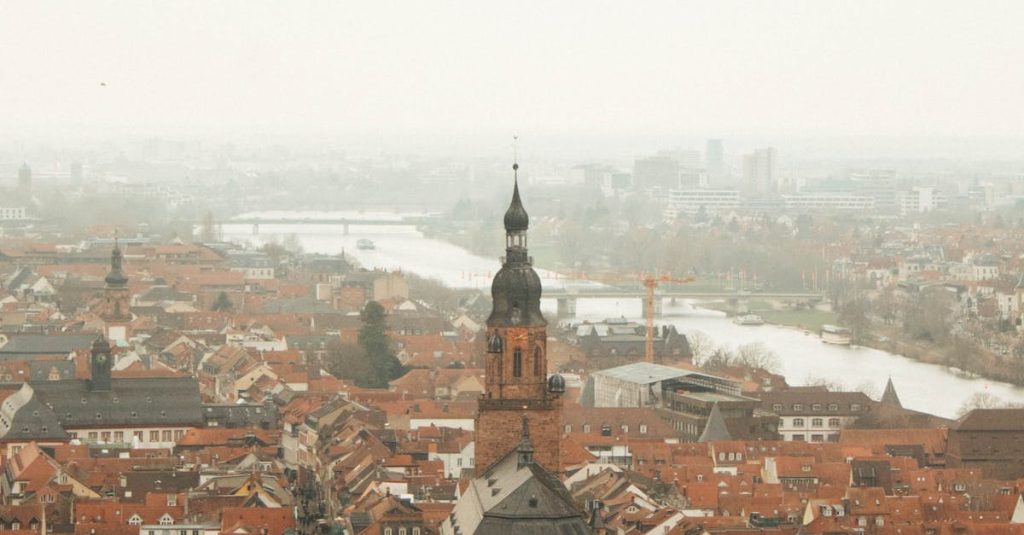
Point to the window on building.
(568, 428)
(816, 407)
(387, 531)
(415, 531)
(798, 438)
(93, 436)
(606, 430)
(776, 406)
(855, 407)
(833, 407)
(135, 520)
(643, 429)
(138, 435)
(586, 428)
(517, 363)
(817, 422)
(538, 362)
(798, 407)
(178, 433)
(798, 422)
(118, 436)
(625, 429)
(833, 422)
(154, 436)
(817, 438)
(402, 531)
(167, 435)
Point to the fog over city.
(469, 268)
(459, 75)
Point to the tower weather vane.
(515, 156)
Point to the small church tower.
(516, 385)
(115, 310)
(100, 364)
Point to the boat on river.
(832, 334)
(748, 319)
(365, 244)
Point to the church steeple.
(516, 288)
(516, 384)
(116, 277)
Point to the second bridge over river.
(567, 298)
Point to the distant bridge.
(344, 222)
(567, 298)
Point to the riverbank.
(808, 319)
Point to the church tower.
(115, 308)
(516, 383)
(100, 365)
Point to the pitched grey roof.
(24, 345)
(39, 370)
(24, 417)
(130, 402)
(521, 499)
(715, 430)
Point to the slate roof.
(524, 499)
(39, 370)
(130, 402)
(24, 417)
(25, 345)
(889, 397)
(715, 430)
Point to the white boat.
(831, 334)
(365, 244)
(748, 319)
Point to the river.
(802, 356)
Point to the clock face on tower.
(101, 358)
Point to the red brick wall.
(499, 430)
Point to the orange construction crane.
(650, 283)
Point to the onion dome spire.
(116, 277)
(516, 218)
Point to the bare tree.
(701, 345)
(757, 355)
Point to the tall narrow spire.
(889, 397)
(715, 430)
(525, 448)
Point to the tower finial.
(515, 157)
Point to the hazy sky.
(553, 68)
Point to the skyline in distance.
(456, 75)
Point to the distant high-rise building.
(76, 172)
(714, 159)
(25, 178)
(759, 177)
(656, 172)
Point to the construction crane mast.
(650, 283)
